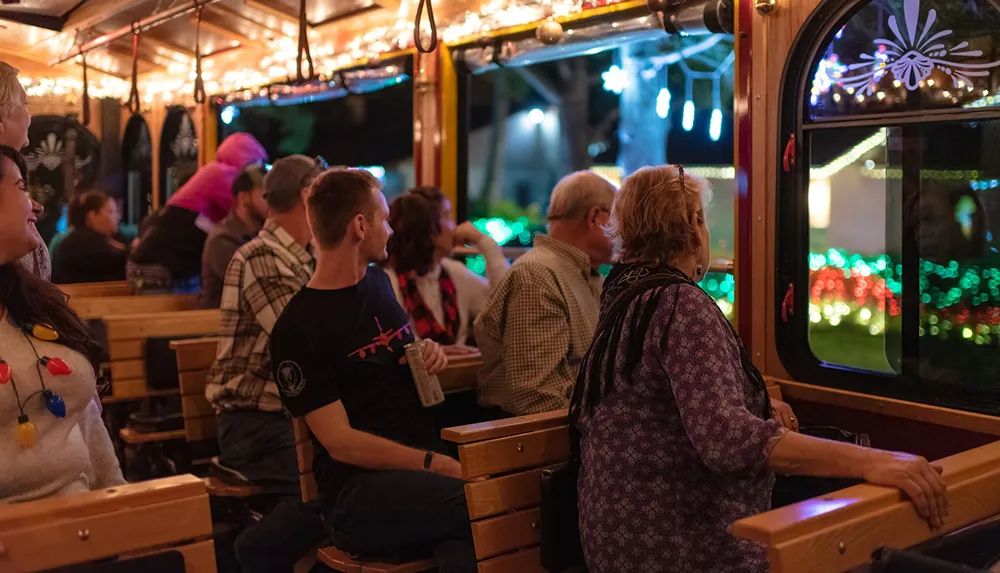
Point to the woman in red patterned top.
(441, 295)
(678, 438)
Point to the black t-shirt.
(346, 345)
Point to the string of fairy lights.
(957, 300)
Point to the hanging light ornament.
(26, 433)
(549, 32)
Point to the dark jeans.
(397, 515)
(261, 446)
(282, 537)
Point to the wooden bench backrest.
(305, 452)
(86, 290)
(503, 461)
(126, 521)
(194, 358)
(460, 375)
(127, 336)
(839, 532)
(101, 306)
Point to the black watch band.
(428, 458)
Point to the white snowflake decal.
(186, 143)
(50, 154)
(914, 55)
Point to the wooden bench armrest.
(506, 427)
(838, 532)
(188, 343)
(22, 515)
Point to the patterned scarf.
(427, 326)
(626, 284)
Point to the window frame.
(792, 226)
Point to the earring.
(699, 270)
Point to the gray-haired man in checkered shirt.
(538, 322)
(255, 436)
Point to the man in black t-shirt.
(338, 357)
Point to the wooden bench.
(461, 374)
(127, 334)
(125, 522)
(503, 461)
(101, 306)
(331, 556)
(89, 290)
(194, 359)
(839, 531)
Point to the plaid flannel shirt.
(536, 327)
(263, 276)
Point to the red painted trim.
(745, 162)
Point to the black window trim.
(792, 224)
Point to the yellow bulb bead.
(26, 434)
(43, 332)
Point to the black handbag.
(560, 517)
(793, 489)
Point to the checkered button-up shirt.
(263, 276)
(536, 328)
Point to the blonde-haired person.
(675, 424)
(14, 122)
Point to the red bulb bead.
(4, 372)
(56, 366)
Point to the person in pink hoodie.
(169, 251)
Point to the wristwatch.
(428, 458)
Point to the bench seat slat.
(495, 496)
(507, 427)
(526, 561)
(506, 533)
(511, 453)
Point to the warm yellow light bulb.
(26, 433)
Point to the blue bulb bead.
(55, 404)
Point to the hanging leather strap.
(199, 83)
(86, 90)
(303, 46)
(433, 25)
(134, 105)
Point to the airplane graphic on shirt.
(383, 338)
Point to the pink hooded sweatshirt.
(210, 191)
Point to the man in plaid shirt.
(538, 322)
(255, 436)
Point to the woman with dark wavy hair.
(441, 295)
(52, 439)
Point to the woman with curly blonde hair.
(677, 435)
(14, 123)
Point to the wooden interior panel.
(507, 427)
(89, 290)
(128, 369)
(127, 349)
(461, 374)
(136, 389)
(133, 437)
(307, 483)
(544, 447)
(499, 535)
(196, 406)
(526, 561)
(891, 407)
(192, 383)
(839, 531)
(498, 495)
(107, 534)
(181, 323)
(203, 428)
(195, 353)
(98, 307)
(305, 453)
